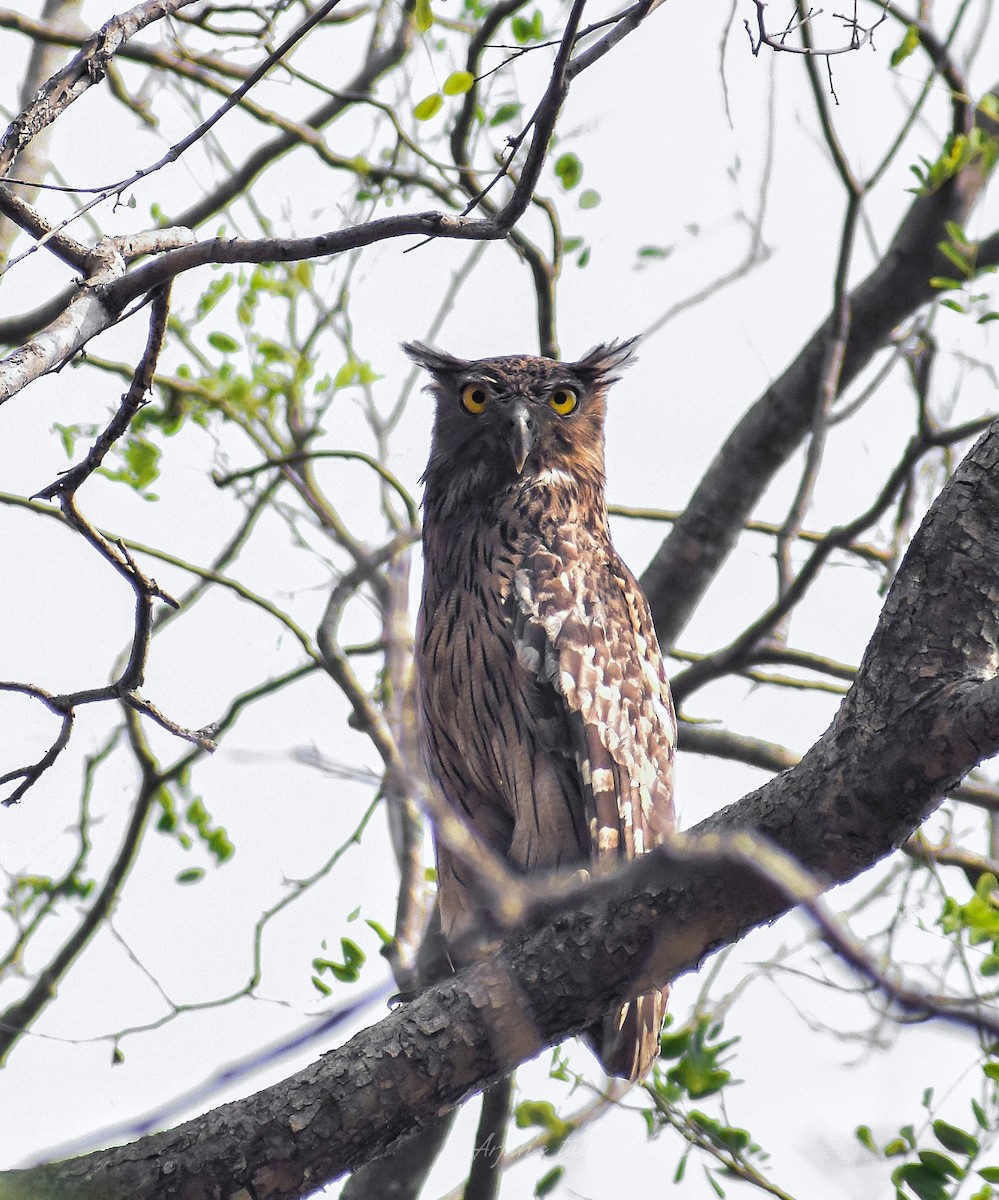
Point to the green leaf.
(989, 106)
(505, 112)
(322, 988)
(354, 915)
(990, 1174)
(542, 1115)
(423, 18)
(589, 199)
(716, 1187)
(570, 244)
(896, 1147)
(927, 1184)
(980, 1117)
(346, 375)
(954, 305)
(67, 435)
(192, 875)
(933, 1160)
(366, 374)
(384, 936)
(674, 1045)
(569, 170)
(525, 30)
(117, 1057)
(655, 251)
(944, 283)
(219, 845)
(864, 1135)
(457, 83)
(353, 955)
(908, 44)
(954, 1139)
(223, 342)
(548, 1183)
(956, 256)
(429, 106)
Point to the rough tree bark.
(923, 711)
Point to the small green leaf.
(525, 30)
(989, 106)
(223, 342)
(346, 375)
(864, 1135)
(541, 1113)
(908, 44)
(589, 199)
(926, 1183)
(570, 244)
(954, 1139)
(957, 256)
(192, 875)
(322, 988)
(457, 83)
(674, 1045)
(548, 1183)
(366, 374)
(117, 1057)
(933, 1160)
(990, 1174)
(989, 316)
(423, 18)
(953, 304)
(429, 106)
(716, 1187)
(354, 915)
(569, 170)
(353, 955)
(384, 936)
(896, 1147)
(505, 112)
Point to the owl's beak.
(522, 435)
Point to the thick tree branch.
(923, 711)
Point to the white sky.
(650, 126)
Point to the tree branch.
(923, 711)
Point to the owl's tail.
(627, 1040)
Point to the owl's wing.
(585, 632)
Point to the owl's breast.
(471, 687)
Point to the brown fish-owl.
(545, 712)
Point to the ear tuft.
(597, 365)
(437, 362)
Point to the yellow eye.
(474, 397)
(563, 401)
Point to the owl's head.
(503, 419)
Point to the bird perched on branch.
(546, 718)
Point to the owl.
(545, 712)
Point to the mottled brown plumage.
(546, 717)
